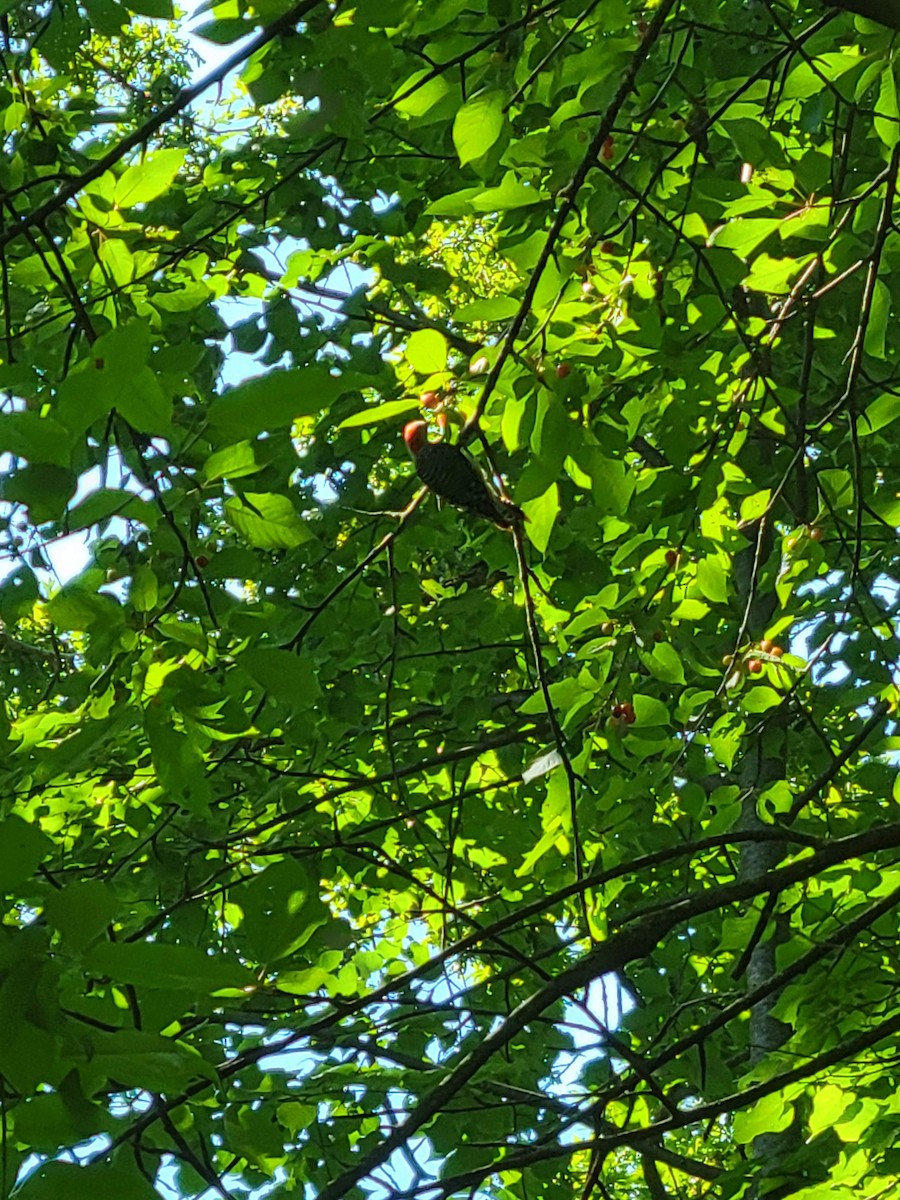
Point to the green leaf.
(829, 1103)
(612, 485)
(887, 114)
(98, 1181)
(883, 411)
(149, 178)
(267, 520)
(744, 234)
(497, 308)
(23, 846)
(455, 204)
(753, 141)
(231, 462)
(478, 125)
(160, 9)
(100, 506)
(423, 95)
(837, 485)
(223, 32)
(664, 663)
(760, 698)
(81, 912)
(541, 514)
(876, 327)
(283, 674)
(389, 411)
(122, 380)
(78, 609)
(772, 1114)
(157, 965)
(106, 16)
(274, 401)
(281, 910)
(144, 591)
(113, 252)
(145, 1059)
(426, 351)
(753, 507)
(712, 580)
(177, 759)
(37, 439)
(511, 193)
(649, 711)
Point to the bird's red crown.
(415, 434)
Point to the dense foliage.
(351, 845)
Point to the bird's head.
(415, 434)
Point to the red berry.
(607, 247)
(608, 149)
(671, 558)
(754, 666)
(430, 399)
(628, 713)
(563, 370)
(617, 710)
(201, 560)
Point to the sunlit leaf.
(478, 125)
(267, 520)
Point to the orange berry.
(754, 666)
(430, 399)
(777, 652)
(766, 646)
(815, 533)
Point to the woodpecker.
(444, 469)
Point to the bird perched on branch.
(453, 476)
